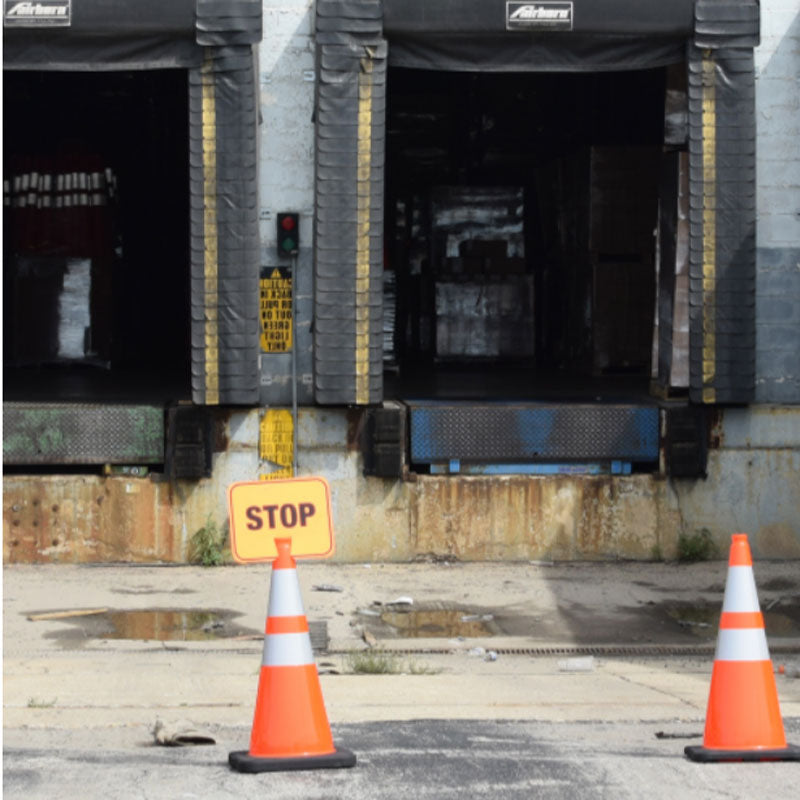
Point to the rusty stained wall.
(100, 519)
(92, 518)
(81, 518)
(74, 519)
(371, 519)
(753, 486)
(563, 517)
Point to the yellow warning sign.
(276, 312)
(276, 475)
(261, 512)
(276, 442)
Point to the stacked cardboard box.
(493, 318)
(59, 212)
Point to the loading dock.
(470, 517)
(552, 293)
(131, 268)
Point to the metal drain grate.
(318, 633)
(582, 650)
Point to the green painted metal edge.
(78, 433)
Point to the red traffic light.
(288, 222)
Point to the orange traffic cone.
(290, 726)
(743, 720)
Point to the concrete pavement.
(72, 688)
(429, 759)
(63, 672)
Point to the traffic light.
(288, 233)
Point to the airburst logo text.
(21, 13)
(527, 16)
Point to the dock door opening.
(96, 244)
(521, 217)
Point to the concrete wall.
(753, 486)
(778, 202)
(286, 162)
(753, 482)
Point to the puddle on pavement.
(151, 625)
(703, 621)
(668, 623)
(430, 621)
(167, 625)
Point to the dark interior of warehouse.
(96, 242)
(520, 255)
(521, 211)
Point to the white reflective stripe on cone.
(740, 590)
(287, 650)
(742, 644)
(284, 594)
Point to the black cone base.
(242, 761)
(712, 755)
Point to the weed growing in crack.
(697, 547)
(208, 546)
(383, 662)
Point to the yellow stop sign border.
(295, 508)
